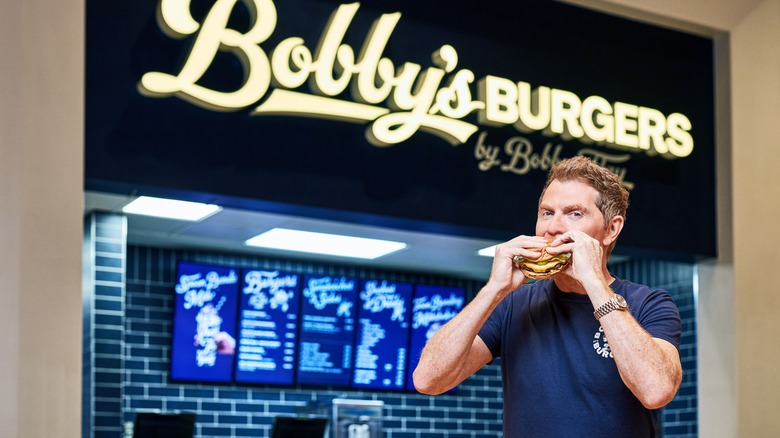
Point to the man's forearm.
(650, 367)
(447, 358)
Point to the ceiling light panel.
(490, 251)
(327, 244)
(170, 208)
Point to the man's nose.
(556, 225)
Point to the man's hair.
(613, 197)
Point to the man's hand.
(226, 344)
(588, 264)
(504, 276)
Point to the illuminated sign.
(433, 99)
(424, 117)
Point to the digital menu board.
(204, 323)
(382, 335)
(284, 328)
(327, 330)
(268, 327)
(432, 307)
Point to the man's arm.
(455, 352)
(650, 367)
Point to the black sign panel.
(432, 307)
(356, 111)
(268, 327)
(328, 314)
(382, 344)
(204, 323)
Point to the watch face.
(621, 301)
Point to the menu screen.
(327, 330)
(432, 307)
(286, 328)
(382, 335)
(268, 327)
(204, 323)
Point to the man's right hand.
(504, 275)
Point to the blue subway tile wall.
(103, 320)
(240, 410)
(229, 410)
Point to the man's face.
(570, 205)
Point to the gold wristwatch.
(617, 302)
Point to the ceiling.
(228, 229)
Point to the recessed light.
(490, 251)
(170, 208)
(322, 243)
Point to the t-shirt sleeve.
(490, 333)
(659, 316)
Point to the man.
(576, 358)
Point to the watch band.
(617, 302)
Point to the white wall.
(756, 160)
(41, 185)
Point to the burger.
(546, 266)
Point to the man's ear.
(614, 227)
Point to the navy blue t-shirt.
(560, 379)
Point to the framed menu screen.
(432, 307)
(327, 330)
(382, 340)
(204, 323)
(268, 327)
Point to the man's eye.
(576, 214)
